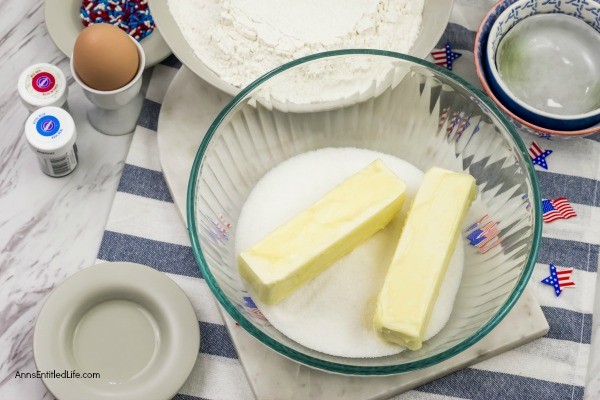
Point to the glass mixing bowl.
(386, 102)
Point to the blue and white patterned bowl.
(515, 28)
(589, 8)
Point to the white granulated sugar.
(333, 313)
(241, 40)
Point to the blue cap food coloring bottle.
(51, 134)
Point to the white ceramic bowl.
(435, 18)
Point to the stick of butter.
(419, 264)
(303, 247)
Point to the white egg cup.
(116, 112)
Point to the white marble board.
(190, 106)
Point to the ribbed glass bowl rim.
(333, 366)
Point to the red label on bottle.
(43, 82)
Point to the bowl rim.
(334, 366)
(492, 56)
(479, 37)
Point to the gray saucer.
(128, 323)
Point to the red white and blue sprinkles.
(133, 16)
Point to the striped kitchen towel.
(144, 227)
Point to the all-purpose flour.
(241, 39)
(333, 313)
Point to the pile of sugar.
(241, 40)
(333, 314)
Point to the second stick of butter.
(419, 264)
(300, 249)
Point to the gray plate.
(129, 323)
(64, 24)
(435, 18)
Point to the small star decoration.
(445, 57)
(559, 279)
(538, 155)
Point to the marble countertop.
(51, 228)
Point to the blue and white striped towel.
(144, 227)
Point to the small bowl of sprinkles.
(132, 16)
(66, 18)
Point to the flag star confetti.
(557, 209)
(484, 235)
(253, 308)
(559, 279)
(445, 57)
(538, 156)
(443, 118)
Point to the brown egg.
(104, 57)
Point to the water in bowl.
(552, 63)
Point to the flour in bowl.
(241, 40)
